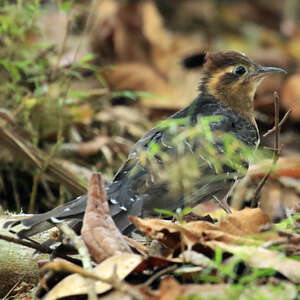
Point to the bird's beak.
(262, 71)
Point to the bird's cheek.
(254, 86)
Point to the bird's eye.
(240, 70)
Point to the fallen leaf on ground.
(170, 289)
(244, 222)
(75, 284)
(153, 65)
(233, 228)
(99, 231)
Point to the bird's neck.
(242, 104)
(208, 105)
(240, 101)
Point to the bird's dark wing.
(151, 177)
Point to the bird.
(224, 108)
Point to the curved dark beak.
(262, 71)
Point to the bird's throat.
(237, 97)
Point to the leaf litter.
(190, 251)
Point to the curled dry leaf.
(99, 231)
(139, 77)
(244, 222)
(233, 228)
(259, 257)
(167, 232)
(170, 289)
(75, 284)
(153, 63)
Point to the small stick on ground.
(224, 205)
(159, 274)
(277, 148)
(113, 280)
(83, 252)
(30, 244)
(13, 288)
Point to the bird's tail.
(74, 211)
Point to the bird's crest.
(215, 60)
(196, 60)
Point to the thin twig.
(12, 289)
(63, 266)
(83, 252)
(62, 48)
(16, 195)
(159, 274)
(6, 115)
(273, 243)
(276, 152)
(11, 140)
(254, 201)
(277, 128)
(36, 180)
(287, 114)
(223, 204)
(39, 247)
(87, 27)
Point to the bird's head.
(232, 77)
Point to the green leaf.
(164, 212)
(87, 58)
(65, 6)
(186, 210)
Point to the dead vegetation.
(89, 81)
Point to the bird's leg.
(224, 202)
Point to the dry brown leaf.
(259, 257)
(233, 228)
(138, 77)
(170, 289)
(168, 232)
(116, 31)
(153, 63)
(244, 222)
(75, 284)
(99, 231)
